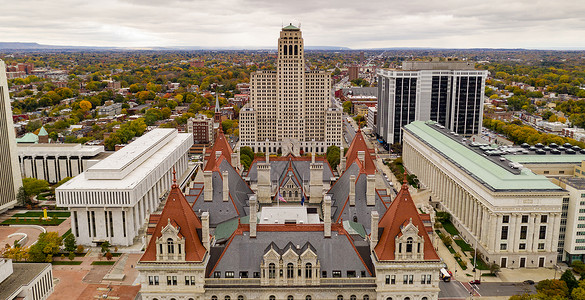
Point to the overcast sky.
(543, 24)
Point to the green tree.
(246, 157)
(21, 197)
(47, 246)
(71, 255)
(69, 243)
(33, 186)
(347, 105)
(579, 292)
(333, 156)
(552, 288)
(569, 279)
(105, 247)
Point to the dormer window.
(409, 245)
(170, 246)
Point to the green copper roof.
(291, 27)
(354, 228)
(227, 228)
(43, 131)
(29, 138)
(546, 159)
(481, 168)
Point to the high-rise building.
(449, 92)
(353, 72)
(9, 168)
(291, 108)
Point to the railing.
(232, 281)
(248, 282)
(348, 281)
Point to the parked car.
(476, 281)
(531, 282)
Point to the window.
(272, 297)
(387, 279)
(522, 246)
(227, 298)
(152, 280)
(423, 279)
(271, 270)
(353, 297)
(324, 274)
(525, 219)
(290, 297)
(243, 274)
(213, 297)
(393, 279)
(523, 231)
(189, 280)
(410, 279)
(339, 297)
(308, 297)
(543, 218)
(409, 245)
(171, 280)
(540, 246)
(256, 274)
(389, 298)
(217, 274)
(503, 246)
(542, 233)
(240, 297)
(229, 274)
(351, 274)
(424, 298)
(504, 235)
(170, 246)
(505, 219)
(366, 297)
(335, 274)
(290, 271)
(405, 279)
(308, 270)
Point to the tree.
(16, 253)
(109, 255)
(105, 247)
(33, 186)
(579, 292)
(569, 279)
(494, 268)
(69, 243)
(347, 107)
(47, 246)
(71, 255)
(447, 240)
(246, 157)
(21, 197)
(333, 156)
(578, 266)
(85, 105)
(552, 287)
(79, 249)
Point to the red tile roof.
(401, 210)
(178, 210)
(221, 144)
(359, 144)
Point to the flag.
(302, 200)
(280, 198)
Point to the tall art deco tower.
(291, 108)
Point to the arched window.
(272, 297)
(353, 297)
(227, 298)
(355, 219)
(213, 297)
(240, 297)
(389, 298)
(308, 270)
(424, 298)
(290, 297)
(366, 297)
(290, 50)
(290, 271)
(285, 48)
(339, 297)
(407, 298)
(191, 299)
(170, 246)
(296, 49)
(409, 245)
(271, 270)
(308, 297)
(296, 194)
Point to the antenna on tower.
(299, 25)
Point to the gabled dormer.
(170, 246)
(409, 244)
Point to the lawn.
(66, 234)
(481, 265)
(52, 214)
(464, 246)
(450, 228)
(65, 262)
(103, 263)
(33, 221)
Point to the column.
(535, 235)
(479, 221)
(494, 232)
(549, 231)
(512, 232)
(484, 230)
(532, 230)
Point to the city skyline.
(250, 24)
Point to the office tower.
(291, 108)
(9, 168)
(448, 92)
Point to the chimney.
(352, 190)
(264, 183)
(341, 160)
(371, 190)
(205, 230)
(327, 215)
(253, 215)
(207, 185)
(236, 159)
(313, 151)
(361, 156)
(316, 183)
(374, 229)
(225, 191)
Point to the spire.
(216, 102)
(174, 178)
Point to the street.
(459, 290)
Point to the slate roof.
(279, 166)
(220, 211)
(242, 253)
(401, 211)
(178, 211)
(340, 208)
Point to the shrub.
(80, 249)
(108, 255)
(71, 255)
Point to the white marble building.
(54, 162)
(512, 214)
(111, 201)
